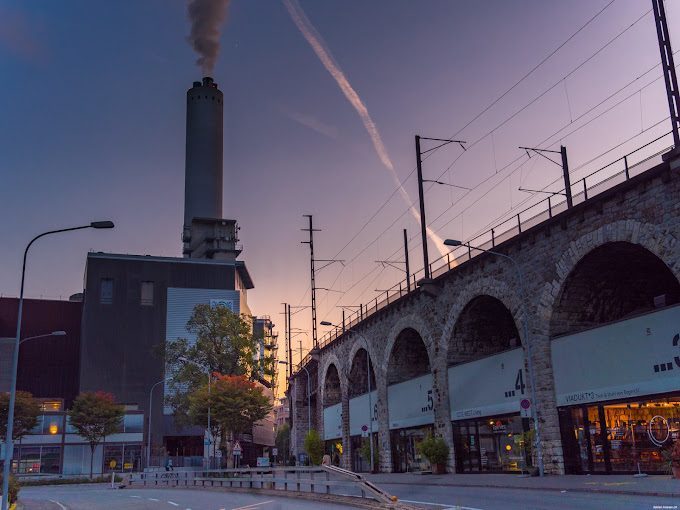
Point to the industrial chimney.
(206, 234)
(204, 149)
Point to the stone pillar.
(384, 445)
(546, 405)
(346, 441)
(300, 416)
(442, 406)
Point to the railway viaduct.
(615, 254)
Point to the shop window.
(133, 423)
(147, 294)
(37, 459)
(106, 291)
(48, 424)
(622, 437)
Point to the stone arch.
(358, 371)
(492, 288)
(416, 324)
(485, 326)
(332, 387)
(330, 361)
(657, 241)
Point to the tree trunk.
(92, 447)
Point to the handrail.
(272, 478)
(533, 215)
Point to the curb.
(552, 489)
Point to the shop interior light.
(53, 428)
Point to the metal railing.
(584, 189)
(328, 480)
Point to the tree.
(26, 411)
(224, 344)
(95, 415)
(314, 447)
(282, 441)
(235, 405)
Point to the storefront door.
(620, 437)
(406, 456)
(490, 444)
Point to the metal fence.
(584, 189)
(328, 480)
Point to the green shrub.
(435, 450)
(314, 447)
(13, 488)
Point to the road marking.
(445, 507)
(138, 497)
(152, 499)
(248, 507)
(173, 503)
(60, 505)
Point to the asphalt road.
(476, 498)
(98, 497)
(88, 497)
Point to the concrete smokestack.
(204, 150)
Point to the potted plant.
(675, 459)
(436, 451)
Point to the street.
(483, 498)
(95, 497)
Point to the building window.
(106, 291)
(133, 423)
(147, 294)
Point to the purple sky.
(93, 127)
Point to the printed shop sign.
(488, 386)
(626, 359)
(411, 403)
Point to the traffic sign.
(364, 431)
(525, 408)
(237, 449)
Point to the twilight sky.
(93, 112)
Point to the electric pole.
(408, 272)
(419, 166)
(564, 165)
(668, 66)
(311, 231)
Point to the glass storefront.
(406, 456)
(361, 457)
(492, 444)
(620, 436)
(37, 459)
(122, 458)
(333, 447)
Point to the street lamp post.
(368, 377)
(309, 395)
(207, 371)
(532, 380)
(148, 435)
(54, 333)
(9, 448)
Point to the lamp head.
(102, 224)
(58, 333)
(326, 323)
(452, 242)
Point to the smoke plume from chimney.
(206, 18)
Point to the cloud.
(319, 46)
(312, 123)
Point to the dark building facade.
(134, 304)
(48, 367)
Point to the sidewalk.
(653, 485)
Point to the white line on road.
(138, 497)
(152, 499)
(248, 507)
(173, 503)
(445, 507)
(60, 505)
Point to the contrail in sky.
(319, 46)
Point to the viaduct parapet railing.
(604, 178)
(329, 480)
